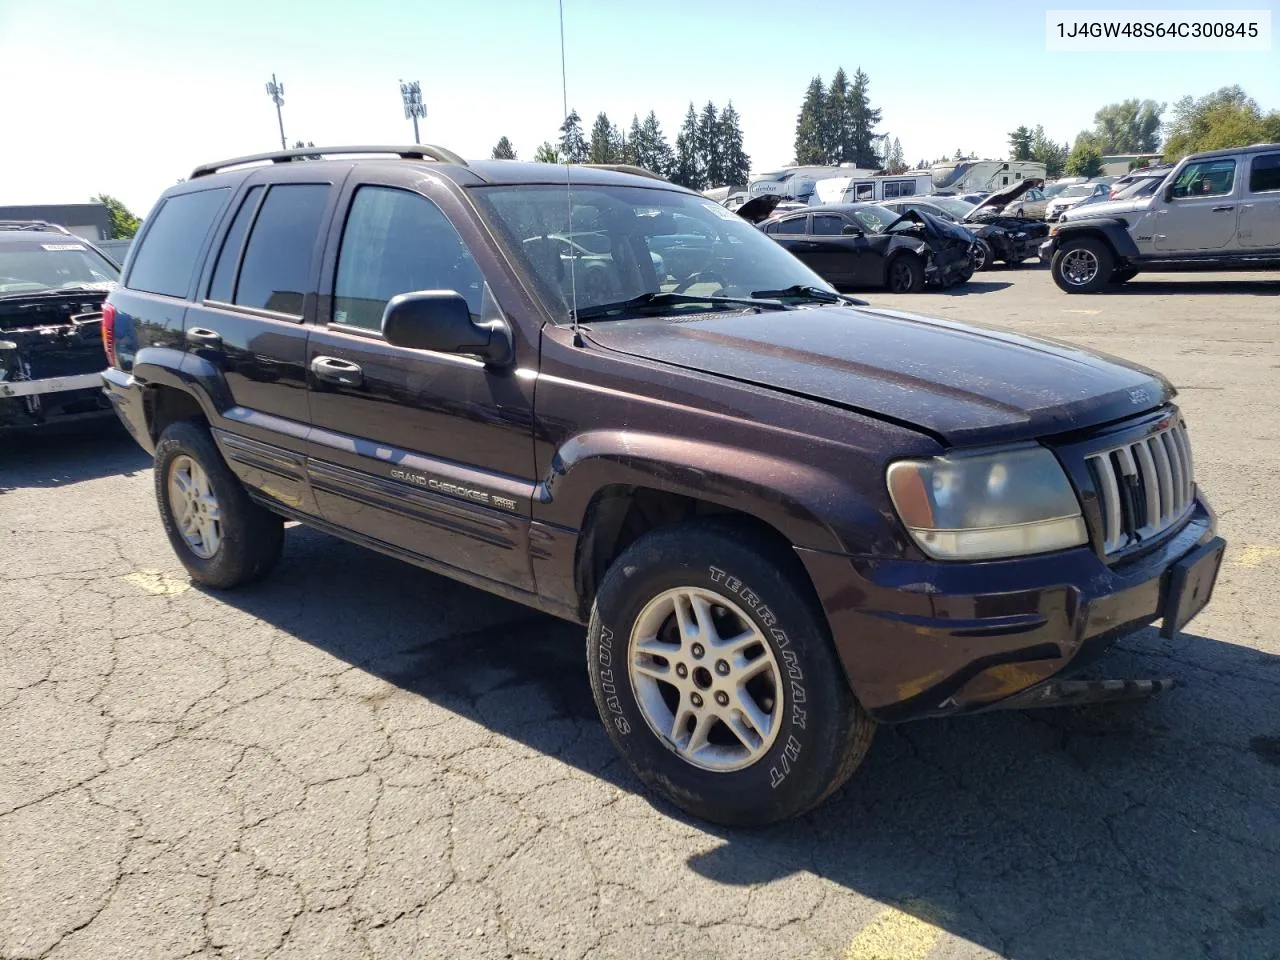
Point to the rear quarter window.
(166, 257)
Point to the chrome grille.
(1144, 487)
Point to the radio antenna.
(568, 189)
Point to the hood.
(759, 208)
(965, 385)
(934, 226)
(1004, 196)
(1108, 208)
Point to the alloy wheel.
(705, 679)
(1079, 266)
(194, 507)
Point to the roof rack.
(34, 225)
(626, 168)
(420, 151)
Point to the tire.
(964, 277)
(808, 751)
(242, 541)
(1082, 265)
(982, 255)
(1122, 275)
(904, 274)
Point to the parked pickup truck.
(782, 516)
(1214, 211)
(52, 285)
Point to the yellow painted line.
(894, 935)
(157, 584)
(1253, 556)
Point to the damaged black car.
(52, 285)
(860, 245)
(1014, 238)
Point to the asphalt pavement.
(355, 758)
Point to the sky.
(127, 97)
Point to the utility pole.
(411, 94)
(276, 92)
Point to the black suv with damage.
(782, 516)
(52, 284)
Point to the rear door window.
(224, 272)
(826, 225)
(165, 260)
(276, 271)
(1264, 173)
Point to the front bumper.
(1047, 248)
(926, 639)
(950, 267)
(126, 396)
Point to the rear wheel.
(1082, 265)
(220, 535)
(716, 678)
(905, 274)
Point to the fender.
(188, 372)
(1111, 229)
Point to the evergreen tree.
(810, 147)
(546, 154)
(1049, 152)
(573, 146)
(1085, 160)
(658, 155)
(862, 122)
(894, 162)
(1020, 141)
(736, 165)
(504, 150)
(838, 120)
(709, 158)
(637, 149)
(603, 141)
(687, 170)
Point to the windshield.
(955, 207)
(48, 263)
(629, 242)
(874, 219)
(1139, 188)
(1078, 190)
(1054, 189)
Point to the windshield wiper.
(655, 300)
(808, 292)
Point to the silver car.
(1074, 195)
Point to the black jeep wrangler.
(783, 516)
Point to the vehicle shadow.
(973, 286)
(1133, 830)
(87, 451)
(1140, 287)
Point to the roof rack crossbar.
(626, 168)
(34, 225)
(418, 151)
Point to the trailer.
(872, 189)
(959, 177)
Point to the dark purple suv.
(782, 515)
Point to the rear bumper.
(129, 403)
(924, 639)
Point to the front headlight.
(980, 506)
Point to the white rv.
(959, 177)
(872, 189)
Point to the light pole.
(411, 94)
(276, 92)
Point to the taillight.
(109, 332)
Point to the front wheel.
(220, 535)
(716, 678)
(1083, 265)
(981, 255)
(905, 274)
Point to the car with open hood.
(866, 245)
(52, 284)
(1020, 236)
(991, 241)
(782, 516)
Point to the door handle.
(335, 370)
(1222, 209)
(204, 337)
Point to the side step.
(1062, 693)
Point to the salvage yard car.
(860, 245)
(783, 517)
(997, 237)
(1215, 211)
(52, 284)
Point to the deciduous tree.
(123, 223)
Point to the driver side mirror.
(440, 320)
(850, 230)
(1168, 193)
